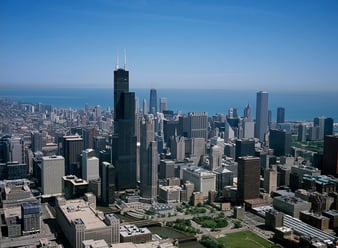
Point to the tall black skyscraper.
(280, 115)
(262, 120)
(153, 101)
(124, 138)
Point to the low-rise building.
(169, 194)
(131, 233)
(290, 205)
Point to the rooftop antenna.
(125, 59)
(117, 62)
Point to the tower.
(197, 125)
(72, 148)
(52, 171)
(280, 115)
(148, 159)
(163, 104)
(262, 121)
(248, 178)
(153, 102)
(330, 158)
(124, 142)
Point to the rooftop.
(132, 230)
(79, 209)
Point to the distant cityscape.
(97, 177)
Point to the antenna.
(125, 59)
(117, 62)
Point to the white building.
(90, 165)
(203, 180)
(52, 171)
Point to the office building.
(52, 171)
(280, 142)
(262, 122)
(248, 179)
(131, 233)
(163, 104)
(166, 169)
(215, 157)
(224, 177)
(73, 187)
(245, 147)
(72, 148)
(148, 159)
(177, 147)
(79, 221)
(197, 125)
(203, 180)
(290, 205)
(90, 165)
(153, 102)
(270, 179)
(319, 122)
(280, 115)
(99, 144)
(328, 126)
(30, 217)
(330, 159)
(108, 183)
(36, 141)
(169, 194)
(124, 142)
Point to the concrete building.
(80, 221)
(280, 115)
(270, 179)
(245, 147)
(169, 194)
(318, 221)
(52, 171)
(131, 233)
(166, 169)
(72, 148)
(90, 165)
(108, 174)
(163, 104)
(30, 218)
(248, 181)
(290, 205)
(302, 132)
(280, 142)
(177, 147)
(74, 187)
(224, 177)
(148, 159)
(262, 122)
(203, 180)
(197, 125)
(215, 157)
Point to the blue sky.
(269, 45)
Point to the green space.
(183, 225)
(211, 222)
(314, 146)
(195, 210)
(244, 239)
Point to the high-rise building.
(330, 159)
(245, 147)
(153, 102)
(107, 183)
(302, 133)
(320, 123)
(248, 181)
(90, 165)
(280, 142)
(145, 109)
(247, 112)
(328, 126)
(215, 157)
(177, 147)
(36, 141)
(30, 216)
(163, 104)
(280, 115)
(72, 148)
(197, 125)
(148, 159)
(270, 179)
(52, 171)
(124, 140)
(262, 121)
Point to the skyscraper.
(124, 138)
(72, 148)
(330, 158)
(280, 142)
(163, 104)
(153, 101)
(248, 178)
(148, 159)
(197, 125)
(280, 115)
(52, 171)
(262, 121)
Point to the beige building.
(80, 221)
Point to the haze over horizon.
(270, 45)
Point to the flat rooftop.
(132, 230)
(79, 209)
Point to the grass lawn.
(244, 239)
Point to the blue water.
(298, 105)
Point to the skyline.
(234, 45)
